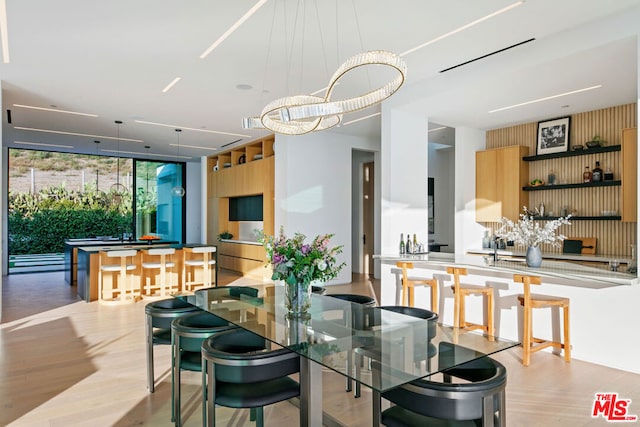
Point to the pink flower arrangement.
(297, 262)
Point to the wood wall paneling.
(614, 237)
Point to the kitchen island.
(88, 268)
(603, 302)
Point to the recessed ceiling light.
(361, 118)
(464, 27)
(188, 128)
(546, 98)
(243, 86)
(54, 109)
(231, 29)
(145, 154)
(194, 146)
(170, 85)
(42, 144)
(59, 132)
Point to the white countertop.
(571, 257)
(565, 272)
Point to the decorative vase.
(297, 299)
(534, 256)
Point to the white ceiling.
(114, 58)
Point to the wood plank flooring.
(64, 362)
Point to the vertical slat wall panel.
(613, 237)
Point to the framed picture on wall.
(553, 136)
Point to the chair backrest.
(454, 401)
(527, 281)
(161, 251)
(121, 253)
(404, 266)
(193, 329)
(203, 249)
(240, 356)
(163, 312)
(457, 272)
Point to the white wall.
(313, 187)
(403, 177)
(468, 232)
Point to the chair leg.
(490, 325)
(150, 374)
(487, 411)
(211, 393)
(434, 296)
(567, 341)
(527, 334)
(203, 380)
(259, 416)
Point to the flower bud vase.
(534, 256)
(297, 299)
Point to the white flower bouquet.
(531, 233)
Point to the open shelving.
(583, 152)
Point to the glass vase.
(297, 299)
(534, 257)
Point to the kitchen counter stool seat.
(198, 258)
(156, 259)
(529, 301)
(123, 287)
(409, 284)
(460, 292)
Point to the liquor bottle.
(408, 245)
(402, 247)
(596, 174)
(415, 244)
(608, 174)
(586, 175)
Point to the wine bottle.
(415, 244)
(586, 175)
(596, 174)
(408, 245)
(402, 247)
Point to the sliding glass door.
(159, 208)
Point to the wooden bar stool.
(529, 301)
(460, 291)
(409, 284)
(122, 288)
(200, 257)
(156, 259)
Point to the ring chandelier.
(300, 114)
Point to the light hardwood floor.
(64, 362)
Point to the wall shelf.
(578, 185)
(583, 152)
(581, 218)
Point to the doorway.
(362, 215)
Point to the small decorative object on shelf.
(596, 174)
(225, 235)
(551, 178)
(608, 174)
(298, 264)
(529, 233)
(586, 175)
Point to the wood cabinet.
(500, 175)
(246, 170)
(629, 172)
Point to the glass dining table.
(338, 334)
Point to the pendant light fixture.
(97, 166)
(118, 189)
(147, 195)
(178, 190)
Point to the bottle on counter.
(415, 244)
(596, 174)
(408, 246)
(486, 240)
(586, 175)
(402, 247)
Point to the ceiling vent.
(487, 55)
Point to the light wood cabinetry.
(500, 175)
(246, 170)
(629, 169)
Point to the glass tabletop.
(337, 333)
